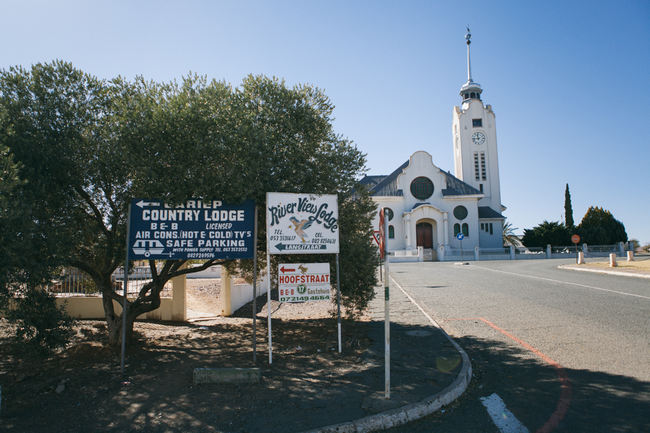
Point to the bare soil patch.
(81, 389)
(203, 297)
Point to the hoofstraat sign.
(302, 223)
(197, 229)
(301, 282)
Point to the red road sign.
(575, 239)
(382, 235)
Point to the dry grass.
(639, 264)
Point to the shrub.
(40, 324)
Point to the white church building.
(428, 207)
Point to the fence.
(494, 253)
(73, 281)
(523, 253)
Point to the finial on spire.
(470, 90)
(468, 37)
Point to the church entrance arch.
(426, 237)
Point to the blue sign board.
(197, 229)
(460, 236)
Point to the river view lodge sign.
(197, 229)
(302, 223)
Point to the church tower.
(476, 160)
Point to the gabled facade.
(429, 207)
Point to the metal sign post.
(196, 229)
(386, 311)
(338, 298)
(268, 301)
(301, 223)
(255, 289)
(126, 289)
(460, 237)
(576, 239)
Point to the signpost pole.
(255, 288)
(338, 297)
(461, 249)
(386, 312)
(268, 304)
(126, 288)
(576, 239)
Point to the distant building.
(429, 207)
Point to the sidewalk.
(640, 268)
(426, 369)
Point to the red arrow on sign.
(283, 269)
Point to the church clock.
(478, 138)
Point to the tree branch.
(98, 214)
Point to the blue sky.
(569, 81)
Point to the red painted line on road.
(565, 396)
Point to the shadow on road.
(599, 402)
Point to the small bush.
(40, 324)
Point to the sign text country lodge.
(196, 229)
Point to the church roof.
(381, 185)
(456, 186)
(488, 212)
(385, 185)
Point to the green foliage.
(599, 227)
(40, 324)
(568, 210)
(358, 254)
(509, 236)
(84, 147)
(553, 233)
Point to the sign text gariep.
(302, 223)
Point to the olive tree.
(86, 146)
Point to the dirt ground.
(640, 265)
(203, 298)
(80, 389)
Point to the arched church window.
(422, 188)
(456, 229)
(391, 232)
(465, 229)
(460, 212)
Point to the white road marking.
(433, 322)
(562, 282)
(505, 421)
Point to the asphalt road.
(565, 351)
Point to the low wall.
(235, 296)
(91, 307)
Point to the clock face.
(478, 138)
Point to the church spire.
(468, 38)
(470, 90)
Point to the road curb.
(410, 412)
(604, 271)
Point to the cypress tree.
(568, 210)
